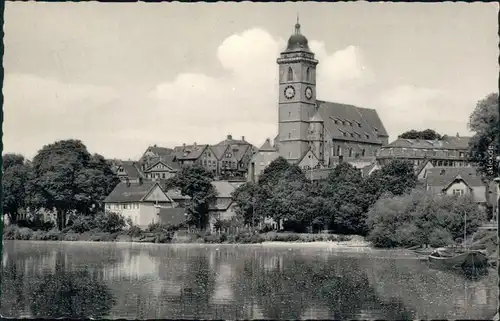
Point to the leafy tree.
(16, 174)
(422, 218)
(274, 172)
(67, 178)
(397, 178)
(195, 182)
(485, 122)
(344, 197)
(246, 198)
(428, 134)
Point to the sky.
(124, 76)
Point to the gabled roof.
(166, 160)
(131, 192)
(444, 176)
(266, 147)
(308, 151)
(131, 169)
(422, 166)
(189, 151)
(224, 188)
(219, 150)
(334, 113)
(240, 152)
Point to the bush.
(53, 235)
(82, 224)
(163, 237)
(421, 218)
(440, 237)
(23, 233)
(71, 237)
(134, 231)
(36, 224)
(103, 237)
(109, 222)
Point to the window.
(163, 175)
(289, 135)
(339, 151)
(290, 74)
(367, 136)
(289, 113)
(308, 74)
(350, 152)
(458, 192)
(363, 152)
(461, 155)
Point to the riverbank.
(161, 237)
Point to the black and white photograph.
(250, 160)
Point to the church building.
(314, 133)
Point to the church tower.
(297, 96)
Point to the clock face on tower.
(289, 92)
(309, 93)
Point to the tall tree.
(484, 145)
(428, 134)
(195, 182)
(397, 178)
(246, 198)
(67, 178)
(344, 196)
(16, 175)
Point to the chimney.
(183, 146)
(268, 140)
(229, 137)
(154, 145)
(458, 135)
(194, 145)
(243, 138)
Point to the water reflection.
(231, 282)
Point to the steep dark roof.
(443, 176)
(240, 151)
(189, 151)
(218, 150)
(266, 147)
(132, 192)
(172, 216)
(131, 169)
(166, 160)
(160, 151)
(359, 122)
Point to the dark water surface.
(232, 282)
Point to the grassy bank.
(160, 235)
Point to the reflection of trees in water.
(70, 295)
(338, 287)
(434, 293)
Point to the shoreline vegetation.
(158, 234)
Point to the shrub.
(38, 235)
(23, 233)
(82, 224)
(53, 235)
(109, 222)
(71, 237)
(9, 232)
(103, 237)
(421, 218)
(440, 237)
(134, 231)
(215, 238)
(163, 237)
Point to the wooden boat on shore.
(458, 258)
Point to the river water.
(147, 281)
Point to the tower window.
(289, 135)
(308, 74)
(290, 74)
(350, 152)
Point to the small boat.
(458, 258)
